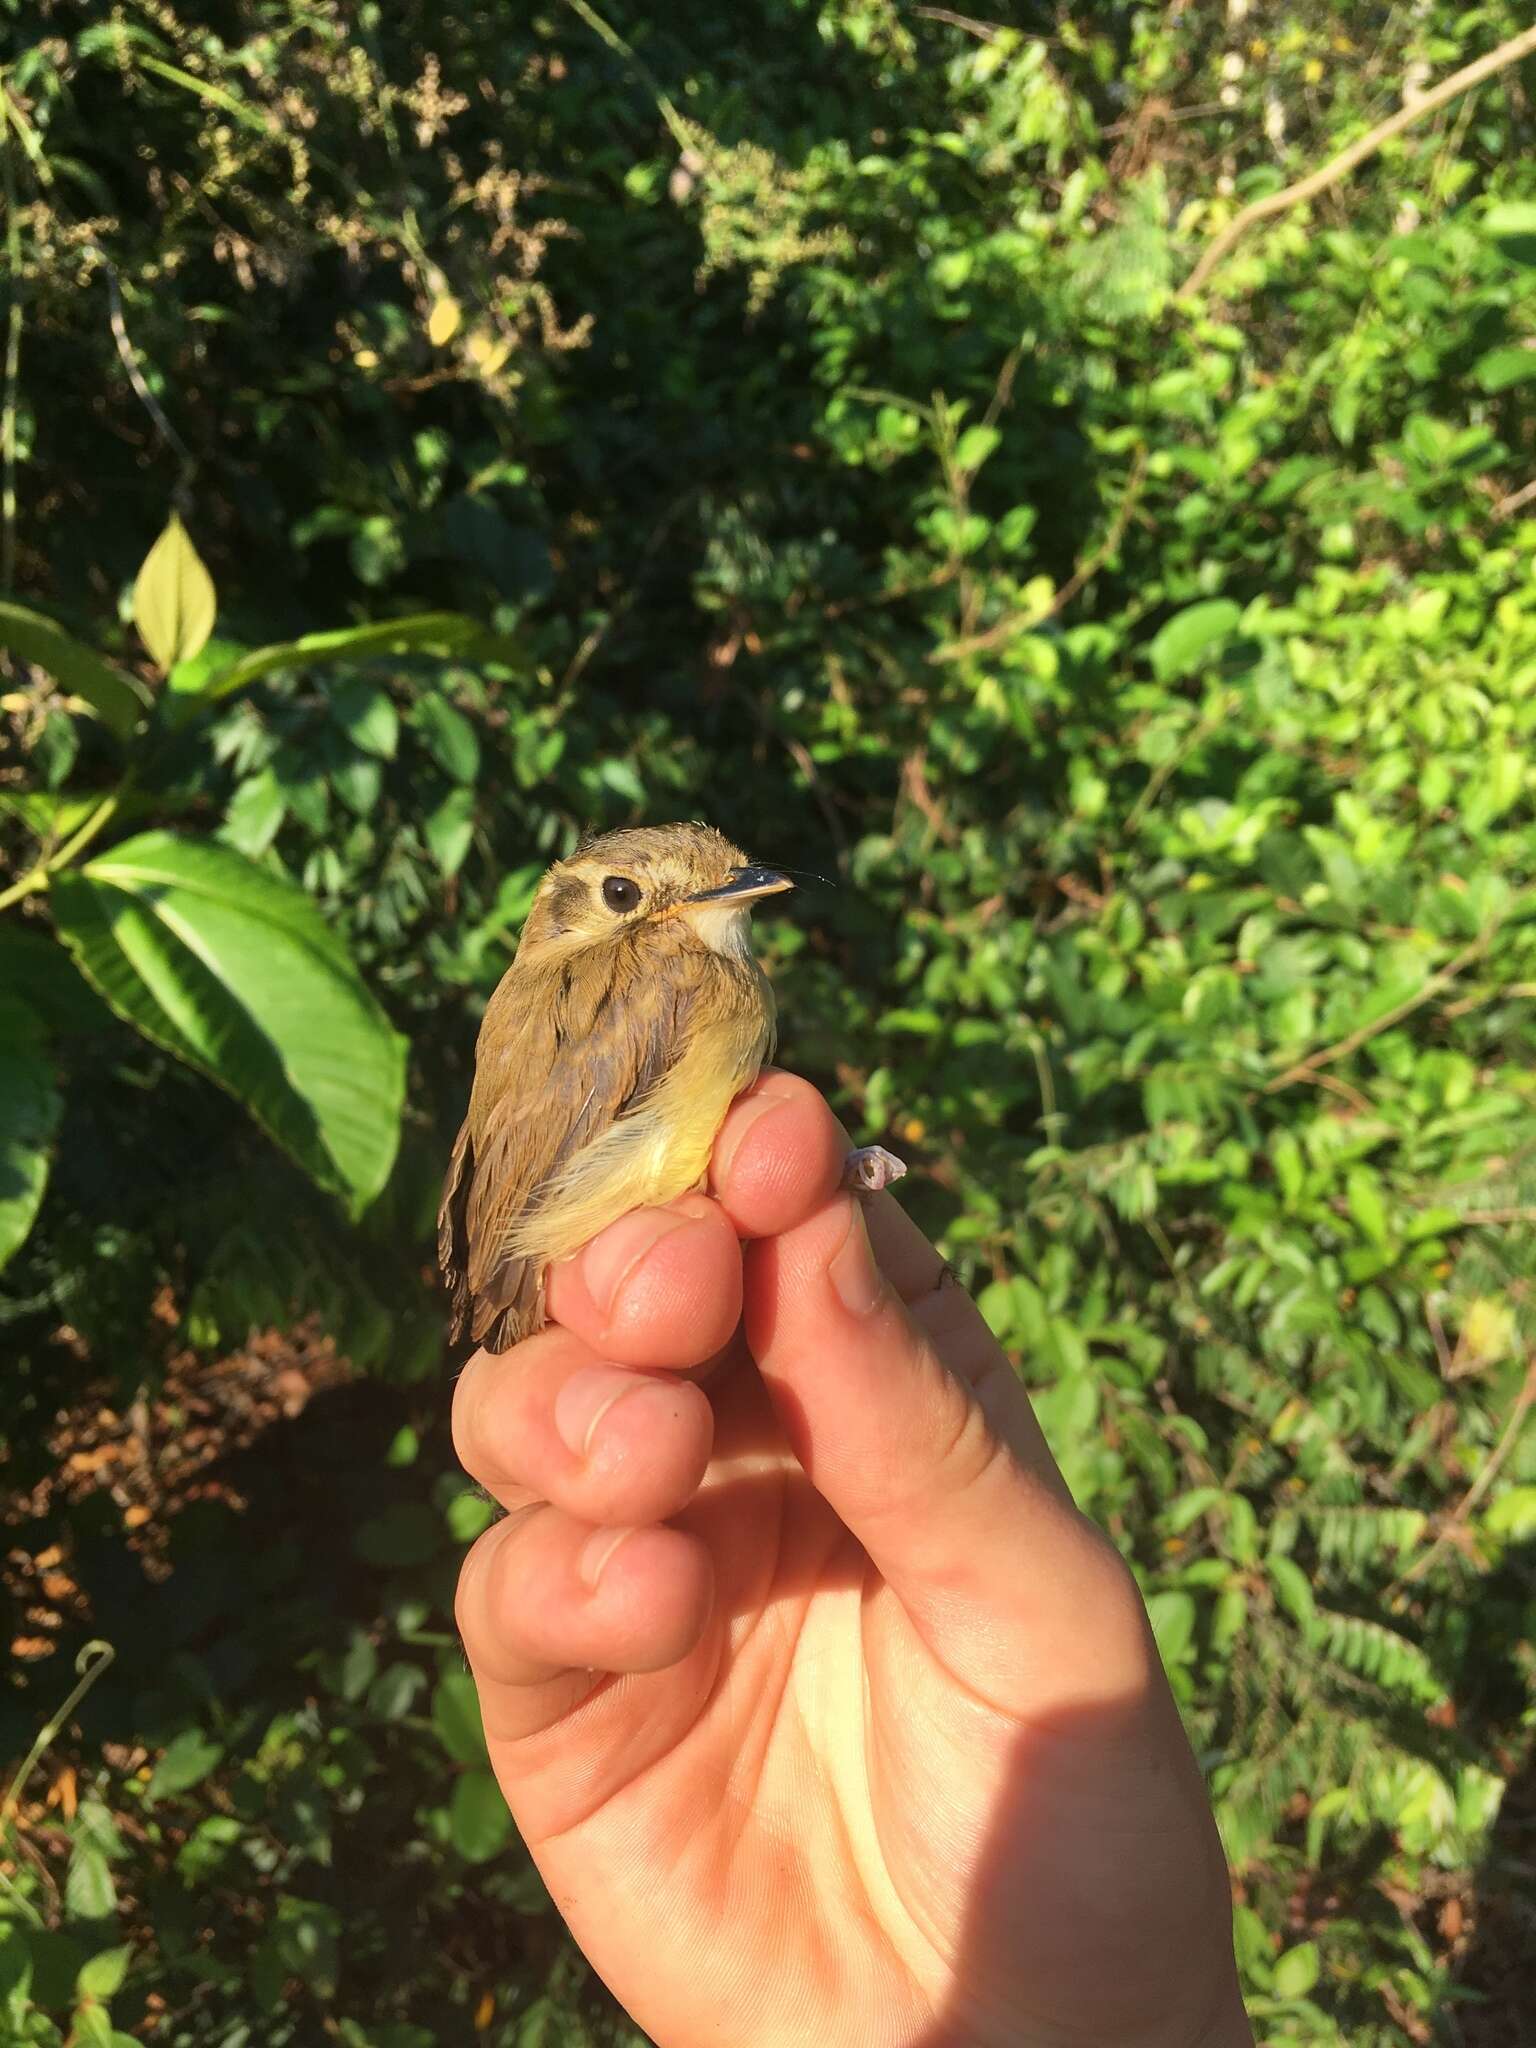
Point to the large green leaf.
(1190, 635)
(234, 970)
(118, 700)
(479, 1825)
(29, 1116)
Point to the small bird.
(631, 1017)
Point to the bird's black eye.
(620, 893)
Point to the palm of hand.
(848, 1804)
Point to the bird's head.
(625, 881)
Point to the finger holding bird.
(632, 1017)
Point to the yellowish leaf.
(443, 321)
(1488, 1331)
(173, 599)
(488, 350)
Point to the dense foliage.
(787, 416)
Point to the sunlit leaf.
(119, 700)
(234, 970)
(174, 604)
(1190, 635)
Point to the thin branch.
(605, 625)
(1515, 502)
(683, 134)
(92, 1661)
(985, 31)
(1507, 53)
(1462, 1511)
(1307, 1069)
(130, 361)
(10, 402)
(37, 877)
(1076, 583)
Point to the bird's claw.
(869, 1168)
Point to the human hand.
(825, 1715)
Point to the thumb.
(909, 1420)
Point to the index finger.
(778, 1156)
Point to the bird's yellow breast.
(660, 1148)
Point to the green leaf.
(174, 605)
(975, 445)
(450, 829)
(1366, 1204)
(102, 1976)
(367, 716)
(89, 1892)
(1513, 227)
(479, 1825)
(30, 1107)
(15, 1972)
(1297, 1971)
(393, 1692)
(421, 632)
(1503, 367)
(255, 815)
(187, 1760)
(1172, 1615)
(468, 1515)
(450, 738)
(1190, 634)
(234, 970)
(1513, 1514)
(93, 2027)
(1293, 1592)
(456, 1717)
(118, 700)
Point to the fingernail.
(596, 1552)
(853, 1272)
(611, 1257)
(585, 1399)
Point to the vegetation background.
(787, 413)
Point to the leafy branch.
(1339, 167)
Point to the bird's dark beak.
(745, 885)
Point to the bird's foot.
(869, 1168)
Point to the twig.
(1474, 1218)
(1352, 1096)
(1306, 1070)
(130, 362)
(913, 786)
(93, 1660)
(1515, 502)
(37, 877)
(683, 134)
(1463, 1509)
(986, 31)
(805, 761)
(1076, 583)
(11, 399)
(1165, 771)
(935, 580)
(1507, 53)
(599, 633)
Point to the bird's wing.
(562, 1056)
